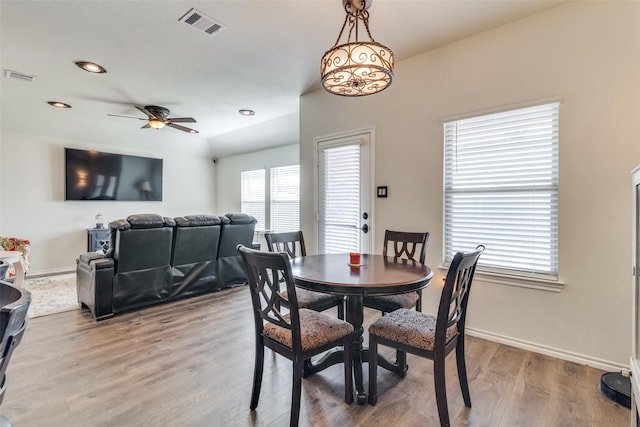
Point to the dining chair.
(298, 335)
(293, 244)
(431, 337)
(14, 303)
(405, 245)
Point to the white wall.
(230, 168)
(32, 202)
(588, 54)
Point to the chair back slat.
(406, 245)
(290, 242)
(270, 299)
(455, 294)
(266, 272)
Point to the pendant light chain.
(365, 19)
(352, 18)
(346, 18)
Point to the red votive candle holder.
(354, 258)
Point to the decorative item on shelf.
(99, 221)
(356, 68)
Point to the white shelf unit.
(635, 301)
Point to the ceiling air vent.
(198, 20)
(18, 75)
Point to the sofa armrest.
(88, 257)
(94, 282)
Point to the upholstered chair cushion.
(409, 327)
(310, 299)
(391, 303)
(316, 330)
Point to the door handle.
(365, 229)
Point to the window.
(285, 198)
(252, 195)
(501, 189)
(283, 190)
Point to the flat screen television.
(94, 175)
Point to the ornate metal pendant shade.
(356, 68)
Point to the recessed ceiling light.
(246, 112)
(58, 104)
(91, 67)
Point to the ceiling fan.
(158, 117)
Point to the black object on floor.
(616, 387)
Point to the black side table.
(98, 239)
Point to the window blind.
(252, 195)
(340, 199)
(285, 198)
(501, 189)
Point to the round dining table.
(375, 275)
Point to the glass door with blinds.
(344, 207)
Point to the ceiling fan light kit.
(158, 117)
(156, 124)
(356, 68)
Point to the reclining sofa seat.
(194, 255)
(237, 228)
(142, 261)
(135, 272)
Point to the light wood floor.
(190, 363)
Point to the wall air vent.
(18, 75)
(201, 22)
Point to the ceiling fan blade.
(145, 111)
(127, 117)
(145, 126)
(183, 120)
(182, 128)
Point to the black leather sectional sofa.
(154, 259)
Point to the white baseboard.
(50, 272)
(582, 359)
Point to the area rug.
(52, 294)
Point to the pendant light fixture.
(356, 68)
